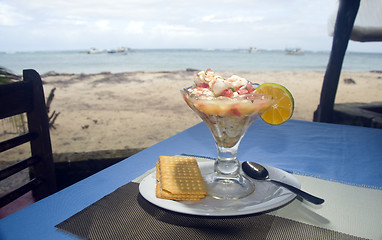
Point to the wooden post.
(346, 15)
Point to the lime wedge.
(282, 110)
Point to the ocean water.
(181, 59)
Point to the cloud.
(238, 19)
(135, 27)
(103, 25)
(193, 24)
(174, 30)
(10, 16)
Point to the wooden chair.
(27, 96)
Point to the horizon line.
(195, 49)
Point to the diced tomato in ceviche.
(203, 85)
(227, 93)
(246, 88)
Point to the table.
(325, 158)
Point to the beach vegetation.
(18, 124)
(15, 123)
(7, 76)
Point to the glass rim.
(240, 96)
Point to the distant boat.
(252, 50)
(294, 51)
(95, 51)
(121, 50)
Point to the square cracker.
(179, 178)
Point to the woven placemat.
(125, 214)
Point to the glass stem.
(227, 165)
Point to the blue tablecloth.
(346, 154)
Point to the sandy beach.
(138, 109)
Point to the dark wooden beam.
(346, 15)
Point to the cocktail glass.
(228, 119)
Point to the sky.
(45, 25)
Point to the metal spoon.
(257, 171)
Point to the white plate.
(267, 196)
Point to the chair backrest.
(27, 96)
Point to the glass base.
(228, 188)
